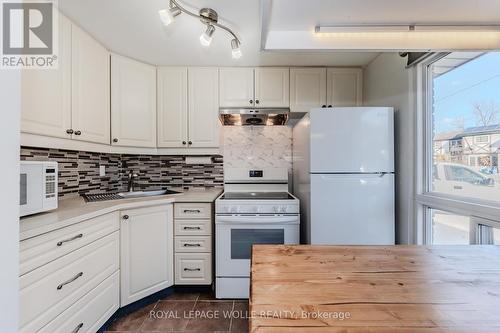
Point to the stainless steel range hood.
(254, 116)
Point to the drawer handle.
(77, 328)
(192, 228)
(69, 239)
(192, 245)
(195, 211)
(192, 269)
(59, 287)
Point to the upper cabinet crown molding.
(133, 103)
(89, 88)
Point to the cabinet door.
(344, 86)
(133, 103)
(272, 87)
(46, 94)
(236, 87)
(146, 252)
(172, 107)
(204, 125)
(307, 89)
(90, 88)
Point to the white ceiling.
(133, 28)
(291, 22)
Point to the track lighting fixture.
(207, 16)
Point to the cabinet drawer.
(38, 251)
(49, 290)
(193, 268)
(192, 210)
(193, 244)
(193, 227)
(91, 311)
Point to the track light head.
(236, 50)
(206, 37)
(167, 15)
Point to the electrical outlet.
(102, 170)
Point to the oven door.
(235, 236)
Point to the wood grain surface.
(374, 289)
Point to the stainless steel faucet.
(131, 177)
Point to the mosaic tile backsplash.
(257, 147)
(79, 171)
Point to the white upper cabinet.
(146, 260)
(172, 107)
(236, 87)
(46, 94)
(272, 87)
(344, 86)
(307, 88)
(133, 103)
(203, 105)
(90, 89)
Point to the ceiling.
(133, 28)
(289, 24)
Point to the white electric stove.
(255, 208)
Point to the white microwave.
(38, 182)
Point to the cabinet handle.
(323, 106)
(192, 228)
(115, 140)
(184, 142)
(125, 217)
(251, 101)
(192, 269)
(77, 328)
(192, 245)
(257, 101)
(69, 131)
(192, 211)
(59, 287)
(69, 239)
(329, 106)
(78, 132)
(190, 142)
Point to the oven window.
(243, 239)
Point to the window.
(464, 111)
(449, 228)
(482, 139)
(458, 188)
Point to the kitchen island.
(375, 289)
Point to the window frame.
(479, 211)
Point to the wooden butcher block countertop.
(375, 289)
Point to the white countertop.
(75, 210)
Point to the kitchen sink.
(125, 195)
(140, 194)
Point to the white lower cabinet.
(193, 268)
(91, 311)
(146, 252)
(49, 290)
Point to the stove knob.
(283, 209)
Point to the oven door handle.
(257, 219)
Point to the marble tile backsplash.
(257, 146)
(79, 171)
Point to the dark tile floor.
(186, 312)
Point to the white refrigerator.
(343, 174)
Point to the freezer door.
(352, 209)
(352, 140)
